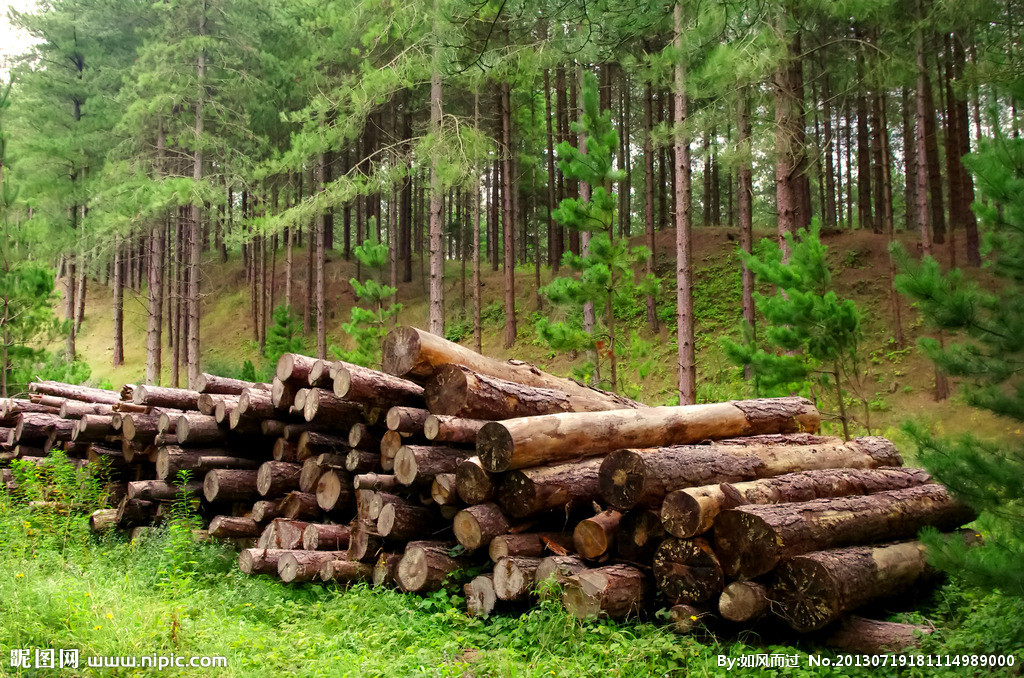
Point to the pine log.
(206, 403)
(530, 544)
(867, 636)
(363, 385)
(310, 474)
(473, 483)
(752, 540)
(692, 511)
(286, 451)
(294, 367)
(615, 591)
(639, 535)
(303, 566)
(321, 537)
(414, 354)
(323, 407)
(399, 521)
(139, 428)
(344, 571)
(369, 503)
(211, 383)
(288, 532)
(442, 490)
(406, 419)
(92, 428)
(259, 560)
(221, 485)
(377, 482)
(264, 511)
(297, 397)
(132, 512)
(644, 477)
(594, 536)
(743, 601)
(32, 427)
(300, 506)
(812, 590)
(320, 375)
(390, 443)
(313, 443)
(159, 490)
(426, 565)
(275, 478)
(293, 430)
(688, 571)
(480, 596)
(75, 409)
(420, 463)
(232, 527)
(385, 569)
(161, 396)
(172, 459)
(198, 429)
(363, 542)
(445, 429)
(531, 491)
(102, 520)
(475, 526)
(685, 619)
(272, 428)
(84, 393)
(224, 408)
(362, 437)
(514, 577)
(530, 441)
(334, 491)
(268, 538)
(253, 403)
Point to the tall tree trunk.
(555, 244)
(910, 158)
(589, 312)
(684, 266)
(508, 225)
(194, 242)
(316, 242)
(652, 309)
(830, 143)
(436, 322)
(118, 358)
(789, 132)
(625, 153)
(864, 214)
(746, 208)
(959, 145)
(475, 197)
(886, 159)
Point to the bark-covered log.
(442, 490)
(272, 428)
(399, 521)
(223, 408)
(162, 396)
(480, 596)
(406, 419)
(361, 461)
(140, 428)
(743, 601)
(93, 428)
(752, 540)
(688, 571)
(275, 478)
(286, 451)
(32, 427)
(559, 568)
(220, 485)
(475, 526)
(234, 527)
(334, 490)
(102, 520)
(323, 407)
(211, 383)
(473, 483)
(84, 393)
(685, 619)
(302, 566)
(321, 537)
(385, 569)
(362, 437)
(313, 443)
(159, 490)
(414, 354)
(264, 511)
(594, 536)
(198, 429)
(615, 591)
(363, 542)
(426, 564)
(514, 577)
(76, 409)
(171, 459)
(868, 636)
(534, 490)
(363, 385)
(253, 404)
(288, 533)
(300, 506)
(530, 441)
(644, 477)
(260, 560)
(285, 394)
(420, 463)
(530, 544)
(639, 535)
(390, 443)
(812, 590)
(294, 367)
(692, 511)
(345, 571)
(445, 429)
(101, 456)
(132, 512)
(206, 403)
(378, 482)
(320, 375)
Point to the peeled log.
(363, 385)
(514, 577)
(477, 525)
(530, 441)
(262, 511)
(473, 483)
(259, 560)
(399, 521)
(343, 571)
(221, 485)
(420, 463)
(414, 354)
(644, 477)
(301, 566)
(594, 536)
(74, 409)
(743, 601)
(445, 429)
(535, 490)
(480, 596)
(615, 591)
(815, 589)
(687, 571)
(361, 461)
(692, 511)
(171, 459)
(530, 544)
(320, 537)
(867, 636)
(231, 527)
(753, 540)
(426, 564)
(406, 419)
(162, 396)
(639, 535)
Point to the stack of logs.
(448, 460)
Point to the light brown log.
(302, 566)
(406, 419)
(475, 526)
(162, 396)
(198, 429)
(234, 527)
(426, 565)
(752, 540)
(268, 538)
(158, 490)
(76, 409)
(364, 543)
(615, 591)
(530, 441)
(514, 577)
(363, 437)
(688, 571)
(414, 354)
(288, 533)
(377, 482)
(313, 443)
(692, 511)
(743, 601)
(294, 367)
(639, 535)
(211, 383)
(868, 636)
(259, 560)
(532, 491)
(321, 537)
(594, 536)
(275, 478)
(253, 405)
(263, 511)
(323, 407)
(293, 430)
(344, 571)
(92, 428)
(445, 429)
(480, 596)
(443, 491)
(473, 483)
(310, 474)
(334, 491)
(230, 485)
(102, 520)
(644, 477)
(390, 443)
(84, 393)
(363, 385)
(385, 569)
(320, 375)
(530, 544)
(399, 521)
(420, 463)
(172, 459)
(139, 428)
(299, 506)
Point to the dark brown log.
(752, 540)
(170, 460)
(161, 396)
(321, 537)
(275, 478)
(444, 429)
(102, 520)
(443, 491)
(631, 478)
(158, 490)
(375, 481)
(406, 419)
(364, 543)
(84, 393)
(302, 566)
(252, 404)
(363, 385)
(420, 463)
(867, 636)
(92, 428)
(231, 527)
(692, 511)
(286, 451)
(198, 429)
(285, 394)
(514, 577)
(132, 512)
(206, 403)
(74, 409)
(211, 383)
(615, 591)
(264, 511)
(594, 536)
(313, 444)
(334, 491)
(530, 544)
(476, 526)
(473, 483)
(107, 457)
(535, 490)
(399, 521)
(299, 506)
(530, 441)
(362, 437)
(221, 485)
(61, 432)
(361, 461)
(223, 409)
(743, 601)
(688, 571)
(639, 535)
(259, 560)
(272, 428)
(268, 538)
(294, 367)
(323, 407)
(480, 596)
(293, 431)
(12, 407)
(426, 565)
(288, 533)
(344, 571)
(32, 427)
(385, 570)
(297, 396)
(812, 590)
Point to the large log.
(32, 427)
(363, 542)
(743, 601)
(211, 383)
(530, 441)
(321, 537)
(134, 512)
(692, 511)
(140, 428)
(323, 407)
(444, 429)
(687, 571)
(362, 437)
(480, 596)
(443, 491)
(92, 428)
(198, 429)
(172, 459)
(534, 490)
(85, 393)
(473, 483)
(420, 463)
(294, 367)
(812, 590)
(477, 525)
(76, 409)
(614, 590)
(10, 408)
(344, 571)
(285, 394)
(301, 566)
(162, 396)
(102, 520)
(234, 527)
(320, 375)
(253, 405)
(275, 478)
(514, 577)
(406, 419)
(426, 564)
(314, 443)
(399, 521)
(334, 490)
(299, 506)
(158, 490)
(259, 560)
(639, 535)
(221, 485)
(530, 544)
(363, 385)
(558, 568)
(644, 477)
(752, 540)
(414, 354)
(868, 636)
(385, 569)
(594, 536)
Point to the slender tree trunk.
(194, 242)
(508, 225)
(475, 197)
(118, 358)
(316, 242)
(789, 133)
(910, 157)
(436, 322)
(652, 309)
(746, 204)
(589, 312)
(894, 297)
(555, 244)
(864, 213)
(684, 266)
(829, 142)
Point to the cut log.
(286, 451)
(559, 568)
(259, 560)
(363, 437)
(594, 536)
(313, 443)
(443, 491)
(211, 383)
(133, 512)
(75, 409)
(32, 427)
(639, 535)
(198, 429)
(534, 490)
(743, 601)
(232, 527)
(162, 396)
(275, 478)
(93, 428)
(363, 542)
(473, 483)
(480, 596)
(363, 385)
(420, 463)
(685, 619)
(752, 540)
(530, 441)
(406, 419)
(171, 459)
(514, 577)
(84, 393)
(426, 565)
(376, 501)
(294, 367)
(344, 571)
(323, 407)
(288, 533)
(285, 395)
(399, 521)
(385, 570)
(300, 506)
(414, 354)
(812, 590)
(102, 520)
(223, 409)
(206, 403)
(159, 490)
(264, 511)
(334, 491)
(220, 485)
(321, 537)
(867, 636)
(644, 477)
(615, 591)
(320, 375)
(530, 544)
(302, 566)
(253, 403)
(377, 482)
(140, 428)
(477, 525)
(692, 511)
(310, 474)
(688, 571)
(390, 443)
(272, 428)
(444, 429)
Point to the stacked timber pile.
(448, 461)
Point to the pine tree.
(369, 325)
(284, 336)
